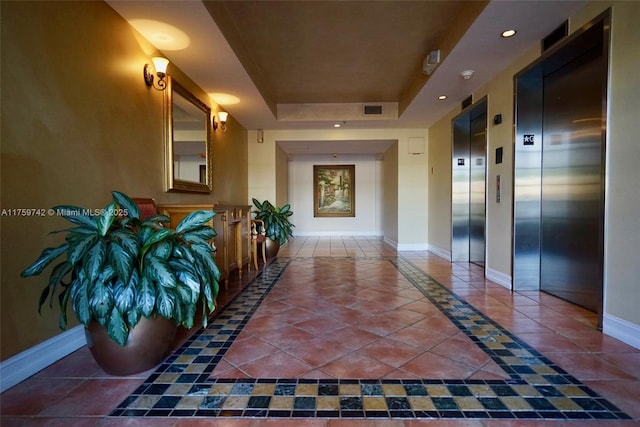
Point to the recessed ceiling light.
(337, 125)
(442, 97)
(508, 33)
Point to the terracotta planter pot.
(272, 248)
(146, 347)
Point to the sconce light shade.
(160, 64)
(222, 117)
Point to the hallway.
(342, 331)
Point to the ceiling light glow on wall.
(508, 33)
(160, 64)
(224, 98)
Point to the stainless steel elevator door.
(477, 189)
(572, 184)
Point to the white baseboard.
(412, 247)
(442, 253)
(31, 361)
(498, 277)
(336, 233)
(623, 330)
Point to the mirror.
(188, 161)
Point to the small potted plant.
(277, 226)
(125, 277)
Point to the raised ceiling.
(308, 64)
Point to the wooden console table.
(233, 227)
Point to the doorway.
(469, 185)
(559, 170)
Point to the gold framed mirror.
(188, 145)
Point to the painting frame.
(334, 191)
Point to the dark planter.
(146, 347)
(272, 247)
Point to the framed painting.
(334, 190)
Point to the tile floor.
(340, 332)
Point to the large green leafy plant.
(116, 267)
(276, 220)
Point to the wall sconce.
(160, 65)
(222, 118)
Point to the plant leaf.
(116, 328)
(162, 250)
(101, 300)
(195, 220)
(124, 297)
(95, 258)
(157, 236)
(159, 271)
(132, 209)
(76, 215)
(45, 258)
(166, 303)
(121, 260)
(79, 300)
(128, 240)
(80, 247)
(106, 217)
(156, 221)
(57, 274)
(146, 297)
(63, 300)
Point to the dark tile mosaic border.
(537, 388)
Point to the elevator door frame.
(528, 144)
(461, 182)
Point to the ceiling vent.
(374, 110)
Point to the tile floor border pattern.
(536, 389)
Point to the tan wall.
(439, 149)
(77, 123)
(390, 194)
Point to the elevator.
(559, 169)
(468, 196)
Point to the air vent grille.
(373, 109)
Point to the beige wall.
(77, 123)
(439, 149)
(390, 194)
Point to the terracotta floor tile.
(276, 365)
(587, 366)
(352, 337)
(322, 325)
(109, 393)
(287, 337)
(389, 351)
(248, 350)
(318, 351)
(461, 349)
(356, 365)
(430, 365)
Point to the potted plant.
(124, 276)
(276, 223)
